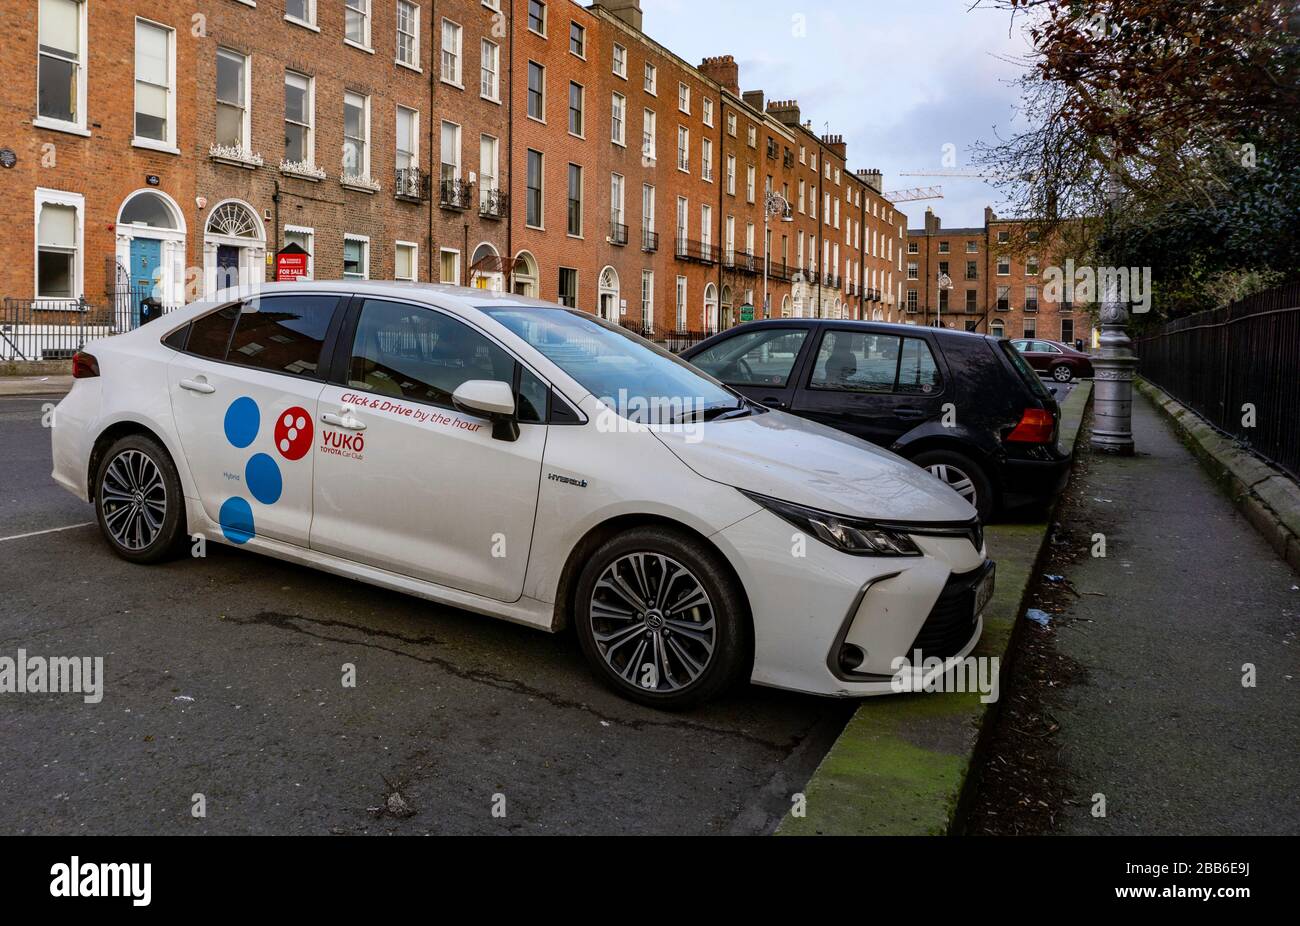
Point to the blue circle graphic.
(242, 421)
(237, 520)
(262, 476)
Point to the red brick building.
(544, 147)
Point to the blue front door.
(146, 272)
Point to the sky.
(899, 80)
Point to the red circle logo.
(293, 433)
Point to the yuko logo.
(292, 434)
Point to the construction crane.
(965, 173)
(915, 193)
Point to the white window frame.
(455, 55)
(364, 166)
(582, 110)
(168, 144)
(490, 52)
(649, 134)
(309, 7)
(442, 152)
(365, 255)
(442, 252)
(414, 115)
(310, 125)
(78, 125)
(489, 183)
(731, 175)
(415, 260)
(367, 21)
(618, 119)
(683, 149)
(684, 97)
(647, 298)
(647, 207)
(245, 128)
(617, 214)
(78, 202)
(706, 159)
(751, 178)
(310, 234)
(651, 79)
(680, 318)
(616, 60)
(582, 32)
(415, 36)
(706, 110)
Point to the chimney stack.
(754, 98)
(723, 71)
(932, 222)
(785, 112)
(836, 144)
(874, 179)
(627, 10)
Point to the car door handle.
(200, 386)
(772, 402)
(346, 422)
(910, 414)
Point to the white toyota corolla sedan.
(531, 462)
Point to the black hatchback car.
(967, 407)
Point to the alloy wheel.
(955, 479)
(134, 499)
(1062, 374)
(653, 622)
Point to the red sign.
(290, 264)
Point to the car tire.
(629, 635)
(138, 500)
(963, 475)
(1062, 373)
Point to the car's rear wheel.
(660, 619)
(138, 500)
(1062, 373)
(963, 475)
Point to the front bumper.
(809, 601)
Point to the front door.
(245, 406)
(607, 307)
(146, 270)
(227, 266)
(407, 483)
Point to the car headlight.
(856, 536)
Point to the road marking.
(52, 530)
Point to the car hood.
(800, 461)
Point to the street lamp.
(773, 204)
(1112, 426)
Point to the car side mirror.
(490, 399)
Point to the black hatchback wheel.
(138, 500)
(963, 475)
(659, 619)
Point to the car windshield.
(631, 376)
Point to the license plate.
(983, 592)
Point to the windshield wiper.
(715, 413)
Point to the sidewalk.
(1187, 594)
(34, 385)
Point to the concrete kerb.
(901, 766)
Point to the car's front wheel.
(660, 619)
(961, 474)
(138, 500)
(1062, 373)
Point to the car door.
(244, 391)
(404, 481)
(758, 362)
(876, 385)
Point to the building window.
(731, 124)
(575, 200)
(1031, 237)
(300, 11)
(996, 328)
(913, 270)
(577, 40)
(913, 247)
(943, 300)
(404, 260)
(647, 299)
(731, 174)
(450, 153)
(356, 23)
(683, 148)
(647, 208)
(706, 110)
(911, 300)
(533, 206)
(408, 143)
(648, 135)
(1004, 237)
(1031, 266)
(943, 247)
(684, 98)
(1031, 328)
(299, 116)
(61, 77)
(972, 270)
(356, 135)
(537, 16)
(449, 266)
(618, 119)
(451, 37)
(304, 238)
(706, 159)
(620, 61)
(575, 109)
(1067, 331)
(58, 244)
(681, 303)
(1031, 298)
(154, 71)
(616, 199)
(972, 247)
(753, 137)
(1004, 298)
(1004, 266)
(569, 287)
(408, 34)
(536, 91)
(489, 155)
(971, 297)
(232, 99)
(490, 72)
(749, 183)
(356, 257)
(651, 78)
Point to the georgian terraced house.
(546, 148)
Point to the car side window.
(534, 395)
(410, 352)
(917, 371)
(856, 361)
(210, 335)
(282, 334)
(754, 358)
(1021, 346)
(1047, 348)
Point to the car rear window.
(283, 334)
(1027, 374)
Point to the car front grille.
(951, 622)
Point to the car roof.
(465, 298)
(858, 325)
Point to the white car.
(531, 462)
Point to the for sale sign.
(290, 263)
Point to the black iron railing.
(697, 251)
(455, 194)
(413, 185)
(617, 233)
(649, 241)
(494, 204)
(1227, 363)
(55, 329)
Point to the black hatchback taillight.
(84, 365)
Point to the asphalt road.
(223, 677)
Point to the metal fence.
(55, 329)
(1239, 368)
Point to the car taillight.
(1036, 427)
(84, 365)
